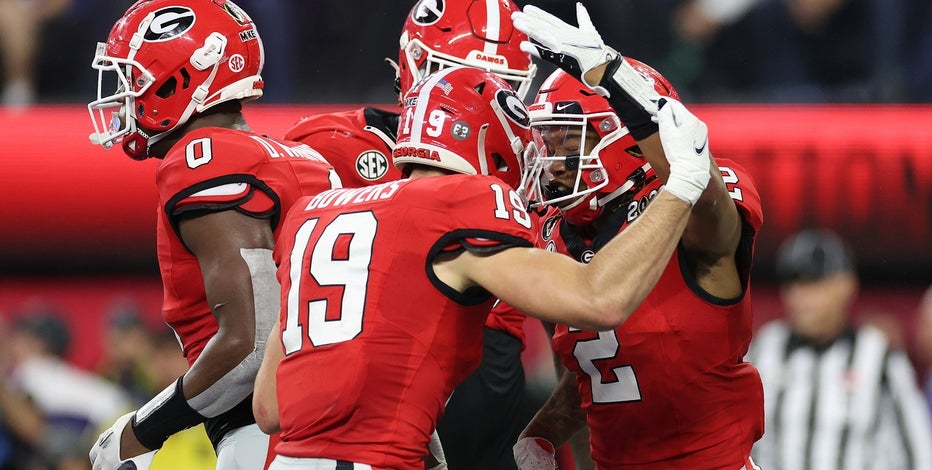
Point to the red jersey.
(374, 342)
(215, 169)
(359, 144)
(669, 389)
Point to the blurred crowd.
(809, 51)
(52, 410)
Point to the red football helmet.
(476, 33)
(465, 120)
(172, 60)
(590, 158)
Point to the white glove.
(576, 50)
(579, 50)
(685, 141)
(105, 455)
(534, 453)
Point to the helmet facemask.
(167, 63)
(592, 161)
(129, 80)
(570, 168)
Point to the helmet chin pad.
(136, 146)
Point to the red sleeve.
(504, 317)
(744, 193)
(214, 169)
(486, 214)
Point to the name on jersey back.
(347, 196)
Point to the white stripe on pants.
(294, 463)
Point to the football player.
(486, 413)
(386, 288)
(669, 388)
(173, 77)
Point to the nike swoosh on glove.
(685, 141)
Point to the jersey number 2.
(624, 387)
(349, 272)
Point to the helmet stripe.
(547, 85)
(493, 26)
(417, 121)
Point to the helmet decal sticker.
(372, 165)
(168, 23)
(248, 35)
(238, 15)
(427, 12)
(460, 130)
(514, 108)
(236, 63)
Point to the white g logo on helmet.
(427, 12)
(168, 23)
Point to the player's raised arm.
(633, 90)
(602, 294)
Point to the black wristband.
(164, 415)
(632, 114)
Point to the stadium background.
(77, 222)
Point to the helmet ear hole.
(167, 89)
(186, 78)
(500, 163)
(480, 88)
(635, 151)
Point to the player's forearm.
(628, 267)
(560, 417)
(265, 398)
(244, 295)
(714, 227)
(597, 296)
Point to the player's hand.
(574, 49)
(685, 141)
(105, 454)
(534, 453)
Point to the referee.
(836, 395)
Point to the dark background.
(329, 51)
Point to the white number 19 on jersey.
(351, 273)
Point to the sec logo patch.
(372, 165)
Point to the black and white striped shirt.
(850, 405)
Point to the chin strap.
(206, 56)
